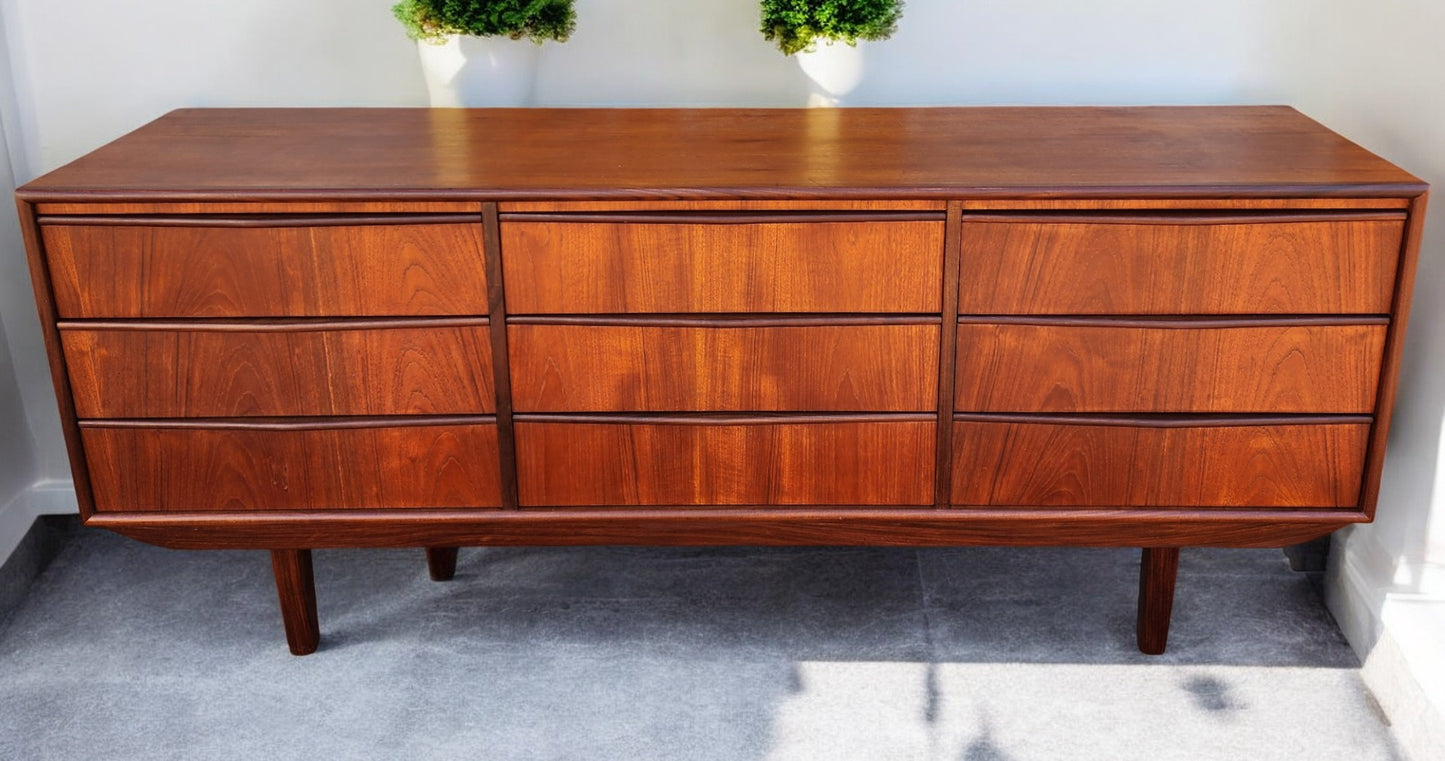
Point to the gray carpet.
(125, 651)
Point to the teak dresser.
(1149, 327)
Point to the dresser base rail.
(916, 527)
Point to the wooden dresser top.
(266, 154)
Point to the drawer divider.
(947, 354)
(501, 359)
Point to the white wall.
(28, 452)
(18, 469)
(1376, 72)
(89, 70)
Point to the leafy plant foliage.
(536, 20)
(795, 25)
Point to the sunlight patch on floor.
(1005, 711)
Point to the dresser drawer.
(555, 267)
(291, 466)
(1343, 263)
(1069, 464)
(700, 462)
(672, 368)
(1110, 366)
(139, 370)
(135, 268)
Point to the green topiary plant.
(536, 20)
(796, 25)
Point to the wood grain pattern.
(697, 154)
(560, 268)
(844, 463)
(1027, 463)
(139, 271)
(153, 371)
(1055, 266)
(180, 257)
(1282, 368)
(771, 525)
(577, 368)
(55, 356)
(136, 469)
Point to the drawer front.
(844, 463)
(1064, 465)
(617, 267)
(1014, 367)
(210, 371)
(848, 368)
(135, 469)
(189, 271)
(1059, 267)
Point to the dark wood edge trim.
(501, 357)
(1180, 322)
(924, 526)
(292, 423)
(713, 320)
(277, 325)
(272, 194)
(1174, 217)
(1390, 365)
(762, 514)
(235, 208)
(259, 220)
(723, 206)
(722, 217)
(1278, 204)
(1161, 420)
(1030, 511)
(55, 353)
(947, 354)
(723, 418)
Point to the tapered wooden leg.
(1157, 570)
(441, 562)
(296, 588)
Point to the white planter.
(479, 71)
(834, 70)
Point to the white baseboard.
(1356, 602)
(48, 497)
(1397, 637)
(15, 520)
(53, 496)
(1406, 673)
